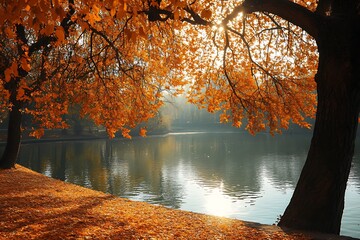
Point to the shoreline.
(33, 206)
(59, 138)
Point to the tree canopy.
(117, 59)
(60, 53)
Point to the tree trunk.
(318, 200)
(12, 147)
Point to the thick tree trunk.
(12, 147)
(318, 201)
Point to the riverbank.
(33, 206)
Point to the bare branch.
(292, 12)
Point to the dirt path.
(33, 206)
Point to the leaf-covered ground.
(33, 206)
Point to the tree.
(270, 62)
(57, 54)
(269, 52)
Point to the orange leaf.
(25, 64)
(38, 133)
(10, 33)
(48, 30)
(126, 133)
(60, 34)
(142, 32)
(11, 71)
(206, 14)
(142, 132)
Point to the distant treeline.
(177, 115)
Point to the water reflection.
(234, 175)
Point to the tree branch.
(196, 19)
(292, 12)
(324, 7)
(66, 23)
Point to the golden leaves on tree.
(260, 68)
(107, 58)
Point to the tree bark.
(12, 147)
(318, 200)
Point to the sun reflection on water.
(217, 203)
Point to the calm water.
(226, 174)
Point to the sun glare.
(217, 203)
(239, 16)
(218, 27)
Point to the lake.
(227, 174)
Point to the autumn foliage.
(65, 211)
(64, 53)
(118, 60)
